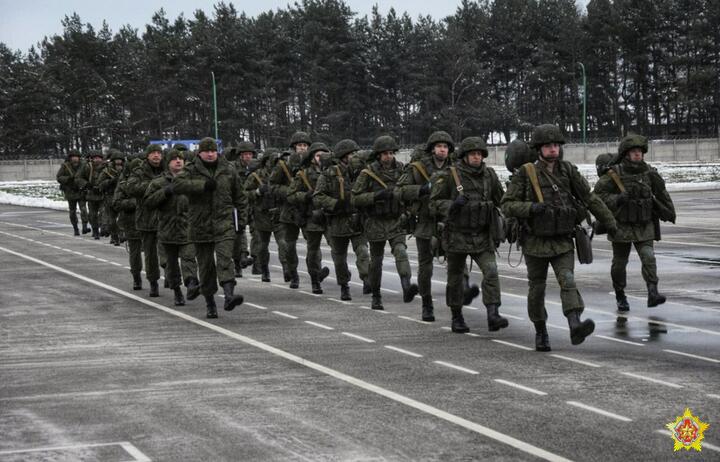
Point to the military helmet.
(95, 153)
(73, 153)
(632, 141)
(152, 148)
(180, 147)
(246, 146)
(207, 144)
(299, 137)
(345, 147)
(440, 137)
(381, 144)
(472, 143)
(517, 154)
(268, 154)
(115, 154)
(546, 134)
(603, 162)
(317, 146)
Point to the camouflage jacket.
(416, 174)
(383, 219)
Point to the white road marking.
(712, 395)
(364, 307)
(308, 293)
(471, 307)
(521, 387)
(405, 352)
(397, 397)
(459, 368)
(321, 326)
(337, 300)
(514, 345)
(138, 456)
(115, 263)
(579, 361)
(557, 326)
(471, 334)
(419, 321)
(359, 337)
(619, 340)
(512, 316)
(598, 411)
(704, 358)
(255, 306)
(650, 379)
(280, 313)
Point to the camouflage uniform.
(108, 182)
(73, 195)
(88, 180)
(125, 205)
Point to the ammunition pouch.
(385, 209)
(554, 221)
(473, 217)
(635, 211)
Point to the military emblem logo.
(687, 431)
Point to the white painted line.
(521, 387)
(391, 395)
(556, 326)
(649, 379)
(598, 411)
(511, 316)
(102, 260)
(471, 334)
(712, 395)
(705, 444)
(364, 307)
(579, 361)
(321, 326)
(405, 352)
(620, 341)
(459, 368)
(514, 345)
(419, 321)
(337, 300)
(364, 339)
(135, 452)
(445, 328)
(308, 293)
(115, 263)
(704, 358)
(138, 456)
(280, 313)
(255, 306)
(471, 307)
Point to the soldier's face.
(387, 157)
(74, 160)
(246, 157)
(441, 150)
(176, 165)
(301, 148)
(550, 151)
(97, 160)
(474, 158)
(208, 156)
(317, 158)
(154, 158)
(118, 162)
(635, 155)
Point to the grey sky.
(24, 23)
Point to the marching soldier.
(108, 182)
(73, 195)
(466, 197)
(173, 233)
(244, 154)
(375, 193)
(415, 188)
(88, 180)
(552, 196)
(333, 193)
(145, 219)
(125, 205)
(635, 193)
(214, 189)
(310, 220)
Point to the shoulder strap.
(421, 168)
(67, 167)
(341, 182)
(616, 178)
(456, 179)
(532, 174)
(304, 178)
(372, 175)
(257, 178)
(285, 169)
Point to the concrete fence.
(682, 151)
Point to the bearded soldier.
(333, 194)
(375, 193)
(551, 195)
(73, 195)
(635, 193)
(108, 182)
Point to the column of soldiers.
(188, 213)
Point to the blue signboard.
(192, 145)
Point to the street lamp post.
(584, 103)
(215, 104)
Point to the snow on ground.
(678, 177)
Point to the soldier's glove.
(210, 185)
(384, 194)
(537, 208)
(308, 196)
(425, 189)
(340, 205)
(169, 190)
(264, 189)
(622, 198)
(458, 203)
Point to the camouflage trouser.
(262, 242)
(150, 249)
(94, 213)
(537, 268)
(377, 252)
(240, 244)
(621, 252)
(339, 246)
(187, 265)
(457, 270)
(313, 256)
(73, 206)
(110, 221)
(277, 234)
(287, 245)
(135, 255)
(425, 266)
(210, 272)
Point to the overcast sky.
(24, 23)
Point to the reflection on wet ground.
(655, 328)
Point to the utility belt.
(474, 217)
(635, 211)
(554, 221)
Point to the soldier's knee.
(646, 253)
(566, 279)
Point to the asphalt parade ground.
(94, 371)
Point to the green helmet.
(269, 155)
(115, 154)
(603, 162)
(632, 141)
(546, 134)
(95, 153)
(310, 154)
(439, 137)
(299, 137)
(381, 144)
(73, 153)
(345, 147)
(517, 154)
(246, 146)
(472, 143)
(172, 154)
(153, 148)
(207, 144)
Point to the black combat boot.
(179, 298)
(315, 284)
(238, 268)
(95, 233)
(265, 273)
(166, 283)
(622, 302)
(322, 274)
(345, 292)
(76, 230)
(409, 290)
(231, 300)
(294, 279)
(542, 339)
(458, 322)
(246, 260)
(154, 290)
(211, 307)
(366, 287)
(579, 329)
(85, 228)
(193, 288)
(654, 298)
(104, 231)
(428, 308)
(469, 291)
(376, 300)
(137, 282)
(495, 321)
(287, 275)
(256, 269)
